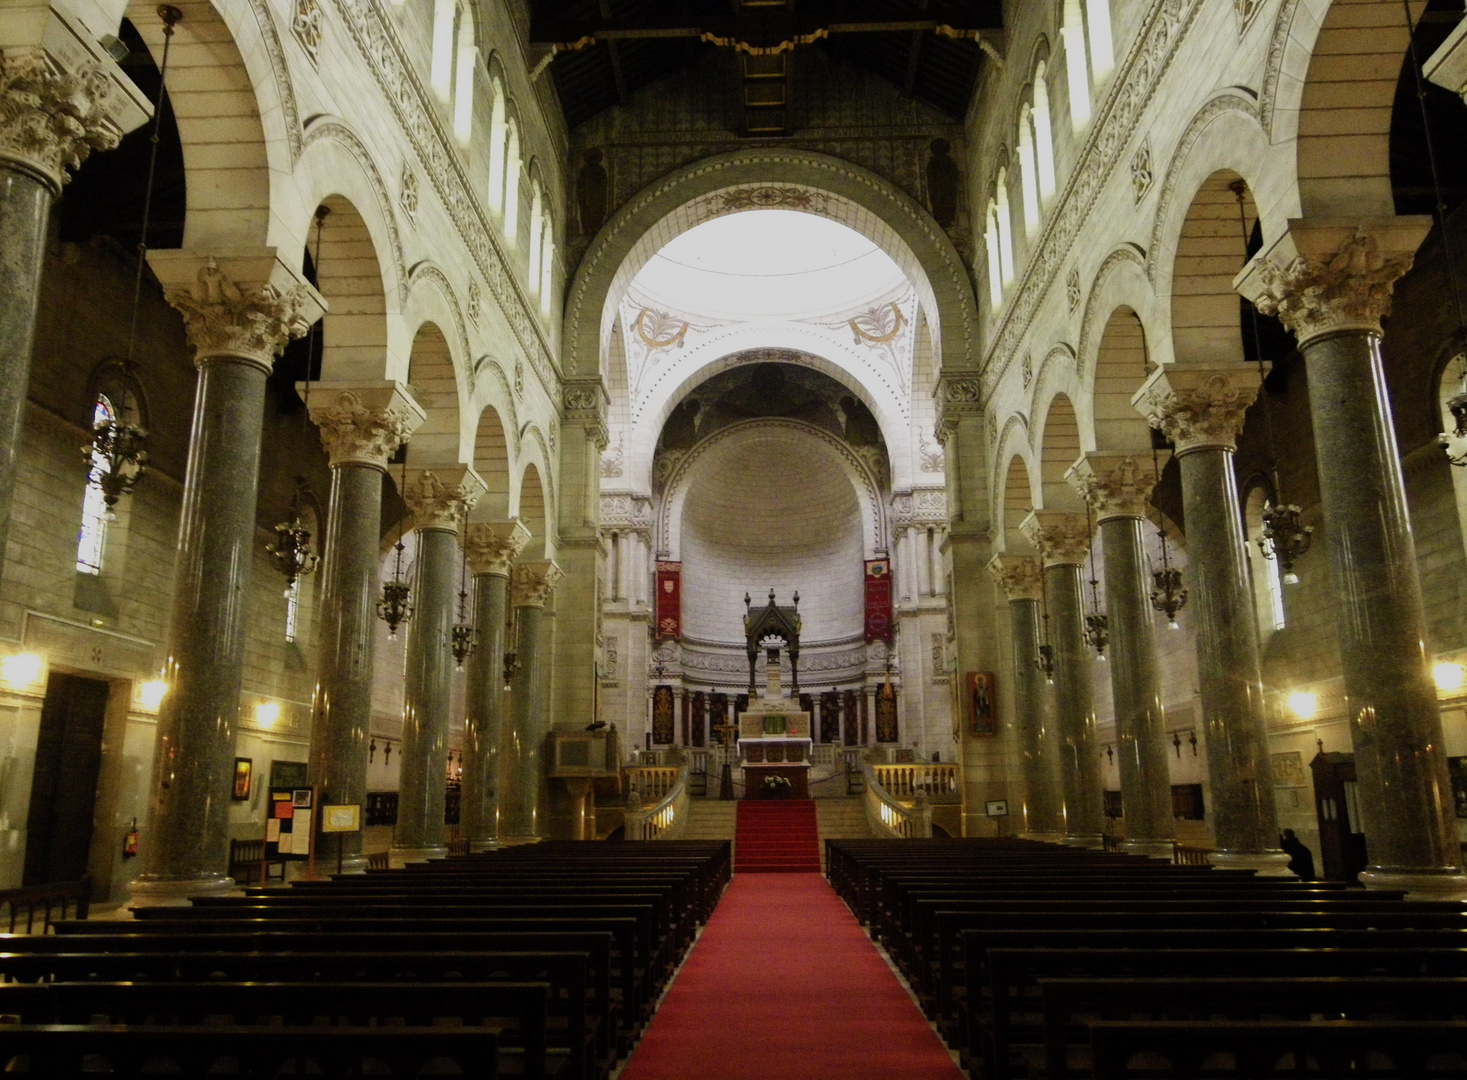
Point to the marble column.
(238, 311)
(1022, 580)
(362, 425)
(1330, 283)
(492, 548)
(1117, 486)
(1200, 409)
(521, 777)
(54, 111)
(439, 500)
(1063, 541)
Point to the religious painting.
(982, 703)
(851, 716)
(700, 715)
(878, 600)
(669, 600)
(886, 715)
(243, 768)
(662, 720)
(830, 717)
(1288, 769)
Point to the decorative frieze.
(491, 547)
(532, 582)
(1116, 485)
(1196, 407)
(364, 425)
(1021, 578)
(305, 26)
(1061, 538)
(442, 499)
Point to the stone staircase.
(835, 819)
(710, 819)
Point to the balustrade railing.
(891, 819)
(652, 782)
(939, 782)
(664, 820)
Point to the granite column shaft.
(1074, 692)
(523, 814)
(1038, 747)
(484, 719)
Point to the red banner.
(878, 600)
(669, 600)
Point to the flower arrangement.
(774, 784)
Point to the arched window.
(512, 182)
(547, 264)
(1072, 32)
(498, 136)
(1102, 49)
(1268, 587)
(440, 74)
(92, 539)
(1028, 170)
(466, 55)
(1043, 131)
(995, 266)
(1005, 227)
(537, 226)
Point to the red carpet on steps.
(776, 836)
(783, 985)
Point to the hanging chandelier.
(117, 454)
(1167, 594)
(291, 550)
(465, 637)
(1284, 538)
(1097, 623)
(394, 607)
(1044, 661)
(1454, 442)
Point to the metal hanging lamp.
(465, 637)
(394, 608)
(1168, 596)
(1097, 623)
(1044, 660)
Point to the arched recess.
(1059, 447)
(237, 120)
(1121, 366)
(491, 461)
(787, 179)
(1210, 251)
(531, 509)
(1338, 115)
(1019, 498)
(796, 437)
(431, 376)
(349, 276)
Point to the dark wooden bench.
(51, 902)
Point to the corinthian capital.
(1022, 578)
(1116, 485)
(239, 305)
(532, 582)
(442, 498)
(585, 402)
(364, 423)
(1198, 407)
(1326, 276)
(493, 546)
(53, 114)
(959, 395)
(1062, 538)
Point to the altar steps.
(777, 836)
(711, 819)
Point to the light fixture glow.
(266, 713)
(22, 669)
(1449, 676)
(1303, 705)
(151, 693)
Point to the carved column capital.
(1062, 538)
(241, 305)
(442, 498)
(1116, 485)
(1198, 407)
(532, 582)
(1322, 277)
(364, 423)
(1448, 65)
(584, 402)
(959, 395)
(493, 546)
(1021, 577)
(59, 102)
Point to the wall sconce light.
(1303, 705)
(22, 669)
(1192, 738)
(1110, 753)
(266, 713)
(1177, 744)
(1449, 676)
(372, 751)
(152, 693)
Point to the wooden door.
(64, 784)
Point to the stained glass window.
(93, 535)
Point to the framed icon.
(243, 774)
(982, 703)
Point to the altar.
(773, 732)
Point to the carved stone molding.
(50, 118)
(1116, 485)
(1198, 408)
(585, 402)
(442, 499)
(532, 582)
(957, 396)
(243, 305)
(1021, 578)
(491, 547)
(1322, 277)
(364, 424)
(1062, 538)
(305, 25)
(621, 509)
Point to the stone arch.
(1017, 499)
(435, 386)
(1211, 249)
(1059, 372)
(1058, 443)
(790, 179)
(1340, 149)
(431, 301)
(349, 276)
(1122, 364)
(237, 146)
(532, 506)
(492, 463)
(868, 489)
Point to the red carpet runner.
(777, 836)
(783, 985)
